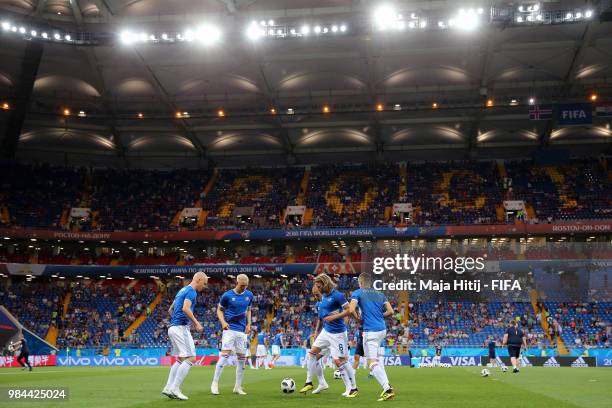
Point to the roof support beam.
(108, 105)
(22, 93)
(230, 5)
(40, 7)
(165, 99)
(370, 64)
(484, 90)
(76, 11)
(270, 101)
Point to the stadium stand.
(267, 191)
(137, 200)
(352, 196)
(449, 193)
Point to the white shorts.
(182, 342)
(337, 343)
(371, 343)
(275, 350)
(261, 350)
(234, 341)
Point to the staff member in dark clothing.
(492, 356)
(359, 352)
(514, 339)
(24, 354)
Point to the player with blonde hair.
(332, 310)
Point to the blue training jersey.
(235, 306)
(261, 339)
(372, 305)
(179, 318)
(332, 303)
(278, 339)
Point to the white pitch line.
(36, 372)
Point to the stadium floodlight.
(189, 35)
(164, 36)
(6, 25)
(423, 23)
(67, 37)
(254, 32)
(539, 17)
(317, 29)
(208, 34)
(588, 13)
(33, 33)
(127, 37)
(22, 30)
(466, 20)
(14, 29)
(305, 30)
(143, 37)
(45, 35)
(568, 16)
(334, 29)
(385, 16)
(57, 36)
(532, 101)
(343, 28)
(519, 19)
(270, 22)
(578, 15)
(152, 37)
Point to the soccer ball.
(504, 369)
(288, 385)
(485, 372)
(337, 375)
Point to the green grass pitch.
(429, 387)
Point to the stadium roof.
(350, 72)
